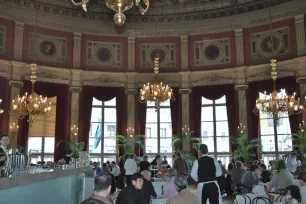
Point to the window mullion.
(215, 129)
(43, 149)
(102, 133)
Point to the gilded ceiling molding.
(212, 80)
(17, 16)
(48, 77)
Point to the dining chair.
(247, 199)
(262, 200)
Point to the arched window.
(214, 128)
(276, 137)
(42, 136)
(158, 138)
(103, 131)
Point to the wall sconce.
(130, 132)
(241, 128)
(186, 130)
(1, 110)
(74, 131)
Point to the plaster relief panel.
(3, 31)
(166, 52)
(104, 54)
(48, 48)
(212, 52)
(261, 43)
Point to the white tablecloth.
(159, 201)
(158, 187)
(245, 200)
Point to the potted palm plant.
(74, 146)
(244, 145)
(299, 141)
(127, 144)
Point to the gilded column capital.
(301, 80)
(241, 87)
(75, 89)
(185, 91)
(17, 84)
(131, 91)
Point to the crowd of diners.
(134, 181)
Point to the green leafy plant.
(177, 141)
(299, 138)
(75, 147)
(244, 145)
(127, 144)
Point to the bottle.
(288, 197)
(162, 193)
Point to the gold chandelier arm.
(141, 9)
(82, 3)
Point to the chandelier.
(31, 105)
(1, 110)
(277, 101)
(120, 6)
(156, 92)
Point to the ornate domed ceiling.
(166, 10)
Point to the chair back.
(261, 200)
(246, 198)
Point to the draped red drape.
(5, 94)
(176, 112)
(213, 93)
(101, 94)
(140, 122)
(288, 83)
(62, 125)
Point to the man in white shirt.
(205, 170)
(130, 167)
(292, 164)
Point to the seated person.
(156, 161)
(237, 174)
(282, 179)
(184, 196)
(163, 170)
(170, 188)
(265, 174)
(144, 164)
(147, 188)
(251, 178)
(303, 187)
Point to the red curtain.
(140, 121)
(102, 94)
(288, 83)
(5, 94)
(62, 125)
(176, 112)
(213, 93)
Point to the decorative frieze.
(212, 52)
(166, 52)
(47, 48)
(17, 84)
(104, 54)
(261, 43)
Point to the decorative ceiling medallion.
(104, 54)
(47, 48)
(212, 52)
(161, 53)
(266, 44)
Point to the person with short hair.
(4, 148)
(184, 196)
(205, 170)
(292, 163)
(170, 189)
(181, 165)
(102, 189)
(228, 180)
(251, 178)
(132, 194)
(130, 167)
(147, 188)
(265, 174)
(144, 164)
(97, 169)
(303, 187)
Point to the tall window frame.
(108, 129)
(213, 136)
(274, 137)
(160, 129)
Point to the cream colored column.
(18, 43)
(131, 53)
(239, 46)
(75, 90)
(77, 50)
(184, 94)
(131, 92)
(300, 34)
(242, 103)
(15, 84)
(184, 52)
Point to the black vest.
(207, 169)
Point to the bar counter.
(59, 186)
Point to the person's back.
(238, 173)
(282, 180)
(252, 177)
(265, 176)
(184, 197)
(144, 165)
(148, 191)
(180, 166)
